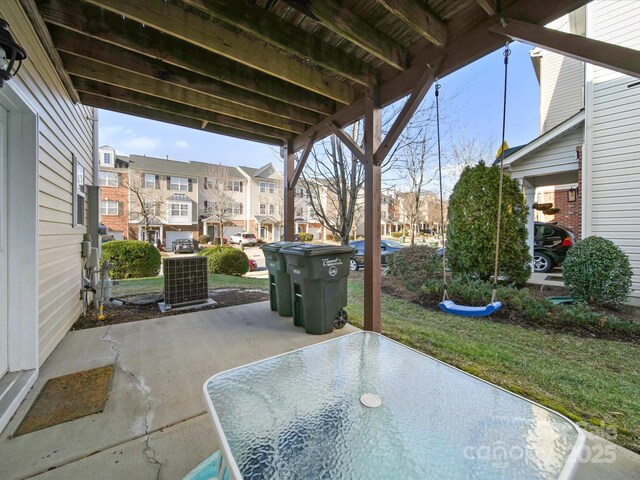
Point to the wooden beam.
(160, 116)
(458, 52)
(115, 30)
(342, 21)
(40, 28)
(489, 6)
(404, 117)
(169, 106)
(90, 48)
(372, 199)
(273, 29)
(419, 18)
(82, 67)
(607, 55)
(301, 163)
(348, 142)
(288, 155)
(176, 21)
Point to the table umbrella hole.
(370, 400)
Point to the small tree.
(471, 234)
(219, 199)
(145, 204)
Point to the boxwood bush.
(131, 258)
(414, 265)
(225, 260)
(204, 239)
(598, 271)
(305, 237)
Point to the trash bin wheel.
(341, 319)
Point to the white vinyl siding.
(556, 157)
(65, 129)
(615, 141)
(561, 84)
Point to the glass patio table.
(364, 406)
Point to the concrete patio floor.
(155, 424)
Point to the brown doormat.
(67, 398)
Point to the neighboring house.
(47, 150)
(113, 178)
(589, 137)
(264, 201)
(305, 216)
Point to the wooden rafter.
(158, 115)
(342, 21)
(173, 20)
(420, 18)
(169, 106)
(71, 42)
(101, 72)
(348, 142)
(621, 59)
(489, 6)
(301, 163)
(112, 29)
(276, 31)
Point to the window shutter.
(120, 208)
(157, 182)
(144, 184)
(206, 182)
(241, 187)
(168, 183)
(190, 184)
(206, 204)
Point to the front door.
(4, 321)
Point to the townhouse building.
(113, 179)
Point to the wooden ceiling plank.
(137, 98)
(80, 45)
(160, 116)
(342, 21)
(419, 18)
(176, 21)
(82, 67)
(614, 57)
(110, 28)
(273, 29)
(489, 6)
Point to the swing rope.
(445, 295)
(496, 267)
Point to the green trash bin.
(318, 285)
(279, 281)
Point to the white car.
(244, 239)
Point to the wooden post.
(372, 186)
(288, 190)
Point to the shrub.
(396, 234)
(471, 234)
(414, 265)
(205, 238)
(305, 237)
(225, 260)
(598, 271)
(131, 258)
(328, 237)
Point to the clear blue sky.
(476, 108)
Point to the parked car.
(253, 265)
(386, 246)
(244, 239)
(551, 244)
(183, 245)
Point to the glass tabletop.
(364, 406)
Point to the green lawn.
(156, 284)
(587, 379)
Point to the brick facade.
(570, 214)
(117, 223)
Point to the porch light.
(572, 195)
(11, 54)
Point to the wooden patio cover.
(290, 72)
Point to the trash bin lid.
(276, 246)
(306, 249)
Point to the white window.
(109, 207)
(79, 192)
(106, 158)
(299, 212)
(267, 187)
(108, 179)
(272, 209)
(234, 185)
(149, 180)
(208, 184)
(150, 208)
(300, 192)
(179, 209)
(179, 183)
(263, 209)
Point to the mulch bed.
(394, 287)
(144, 307)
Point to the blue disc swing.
(447, 305)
